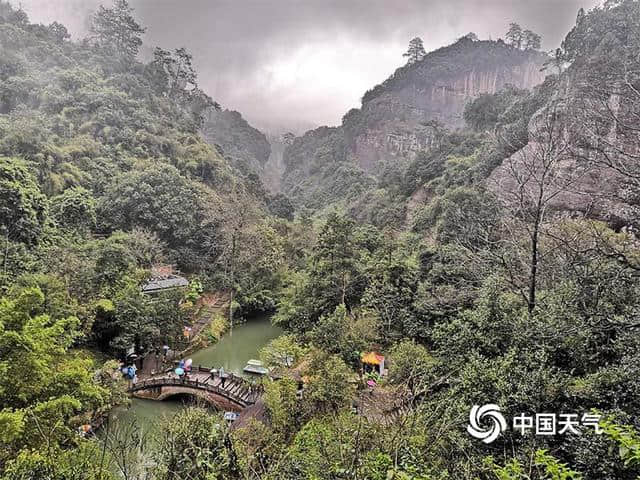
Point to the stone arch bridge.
(231, 393)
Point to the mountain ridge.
(401, 117)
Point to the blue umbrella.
(179, 371)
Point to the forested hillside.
(475, 222)
(247, 148)
(103, 174)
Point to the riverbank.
(208, 324)
(238, 345)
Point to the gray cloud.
(299, 63)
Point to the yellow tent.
(372, 358)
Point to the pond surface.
(240, 344)
(232, 352)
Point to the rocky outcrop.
(559, 170)
(585, 135)
(274, 168)
(393, 122)
(399, 118)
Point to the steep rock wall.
(559, 160)
(394, 124)
(399, 117)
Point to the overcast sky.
(296, 64)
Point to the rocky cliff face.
(398, 118)
(244, 146)
(274, 167)
(578, 161)
(583, 149)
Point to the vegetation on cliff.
(355, 165)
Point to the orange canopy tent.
(372, 358)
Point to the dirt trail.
(208, 305)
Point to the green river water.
(240, 344)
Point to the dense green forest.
(514, 281)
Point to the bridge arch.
(219, 401)
(233, 393)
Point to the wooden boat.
(256, 367)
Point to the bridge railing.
(214, 373)
(230, 379)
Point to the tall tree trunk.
(6, 257)
(233, 274)
(534, 267)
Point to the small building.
(372, 361)
(163, 283)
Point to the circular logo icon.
(486, 422)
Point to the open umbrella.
(179, 371)
(188, 362)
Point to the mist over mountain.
(293, 66)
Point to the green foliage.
(343, 334)
(157, 198)
(411, 364)
(23, 209)
(44, 385)
(259, 264)
(327, 449)
(282, 351)
(138, 320)
(283, 407)
(392, 280)
(95, 126)
(116, 31)
(194, 292)
(627, 439)
(80, 463)
(416, 51)
(191, 445)
(522, 39)
(317, 171)
(433, 167)
(511, 471)
(550, 468)
(280, 206)
(219, 325)
(330, 388)
(554, 470)
(246, 148)
(94, 142)
(334, 276)
(74, 209)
